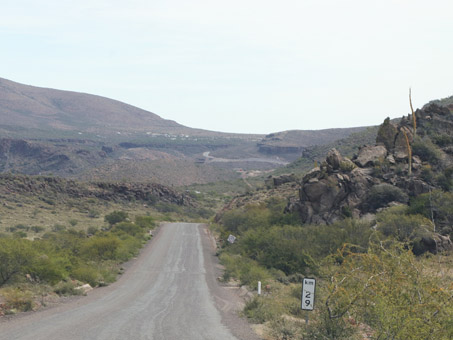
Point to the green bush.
(260, 310)
(145, 222)
(87, 274)
(442, 140)
(67, 288)
(116, 217)
(244, 269)
(326, 327)
(426, 150)
(16, 298)
(382, 194)
(128, 248)
(250, 217)
(37, 229)
(103, 247)
(16, 257)
(128, 228)
(401, 227)
(436, 206)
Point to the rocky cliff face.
(379, 175)
(60, 188)
(32, 158)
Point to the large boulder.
(435, 243)
(369, 155)
(386, 134)
(334, 159)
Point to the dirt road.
(169, 292)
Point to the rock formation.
(378, 175)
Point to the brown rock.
(334, 158)
(386, 134)
(369, 155)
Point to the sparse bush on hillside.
(442, 140)
(67, 288)
(103, 247)
(17, 299)
(437, 206)
(396, 224)
(426, 150)
(116, 217)
(382, 194)
(88, 274)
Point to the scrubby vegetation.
(62, 256)
(369, 280)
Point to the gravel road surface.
(169, 292)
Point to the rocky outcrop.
(329, 192)
(34, 158)
(276, 181)
(378, 176)
(61, 188)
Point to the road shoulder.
(227, 302)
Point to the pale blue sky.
(237, 66)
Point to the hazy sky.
(237, 66)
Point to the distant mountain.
(30, 107)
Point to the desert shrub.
(22, 227)
(426, 150)
(390, 290)
(404, 228)
(285, 329)
(93, 213)
(326, 327)
(103, 247)
(427, 174)
(347, 166)
(49, 268)
(16, 298)
(145, 222)
(250, 217)
(167, 207)
(88, 274)
(445, 179)
(442, 140)
(73, 222)
(244, 269)
(58, 227)
(260, 310)
(436, 206)
(128, 228)
(16, 257)
(68, 240)
(108, 271)
(66, 288)
(382, 194)
(37, 229)
(19, 234)
(116, 217)
(278, 248)
(92, 230)
(128, 248)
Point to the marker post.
(308, 296)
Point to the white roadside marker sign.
(308, 294)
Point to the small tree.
(116, 217)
